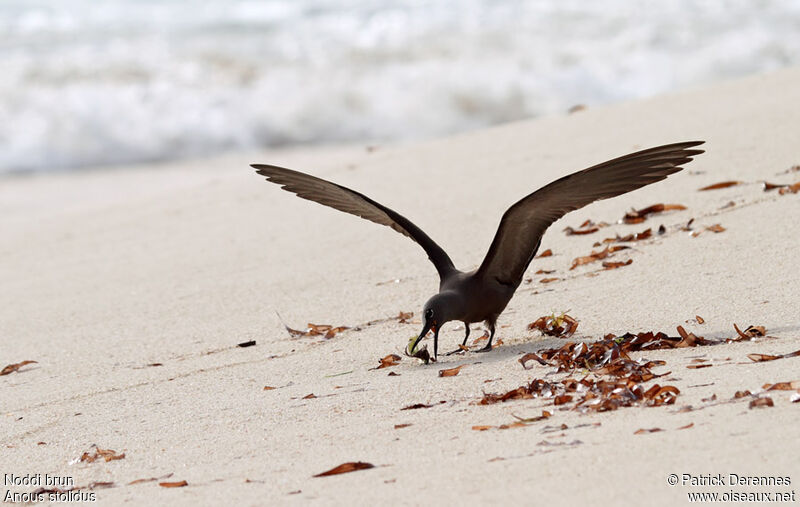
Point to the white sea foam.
(85, 83)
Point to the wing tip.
(690, 144)
(266, 170)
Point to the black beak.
(428, 326)
(425, 328)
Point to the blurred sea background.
(99, 83)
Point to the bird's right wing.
(524, 223)
(349, 201)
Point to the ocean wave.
(88, 83)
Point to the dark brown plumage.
(482, 295)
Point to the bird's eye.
(429, 313)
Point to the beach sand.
(106, 273)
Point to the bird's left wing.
(349, 201)
(524, 223)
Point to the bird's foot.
(487, 348)
(454, 352)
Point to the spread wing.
(349, 201)
(524, 223)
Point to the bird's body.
(487, 298)
(482, 295)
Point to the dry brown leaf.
(404, 317)
(545, 271)
(597, 395)
(530, 356)
(151, 479)
(401, 426)
(546, 253)
(586, 259)
(576, 232)
(548, 280)
(11, 368)
(614, 265)
(545, 415)
(741, 394)
(309, 396)
(345, 468)
(294, 332)
(481, 338)
(791, 189)
(782, 386)
(722, 184)
(762, 402)
(698, 366)
(562, 399)
(686, 427)
(699, 319)
(516, 424)
(596, 256)
(562, 326)
(269, 388)
(421, 353)
(330, 333)
(605, 357)
(613, 350)
(715, 228)
(451, 372)
(760, 358)
(639, 236)
(325, 330)
(772, 186)
(647, 430)
(689, 339)
(387, 361)
(106, 454)
(481, 428)
(416, 406)
(749, 332)
(639, 216)
(176, 484)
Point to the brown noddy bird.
(482, 295)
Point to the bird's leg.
(463, 344)
(488, 346)
(435, 342)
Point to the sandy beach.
(131, 288)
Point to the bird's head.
(437, 311)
